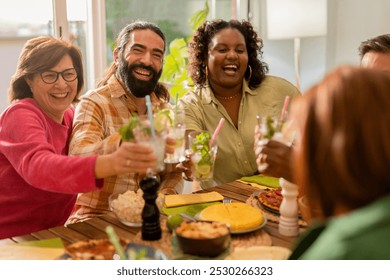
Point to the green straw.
(150, 116)
(175, 112)
(115, 241)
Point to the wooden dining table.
(95, 228)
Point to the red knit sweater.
(38, 181)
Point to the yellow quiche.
(238, 215)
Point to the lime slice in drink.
(203, 169)
(179, 142)
(162, 120)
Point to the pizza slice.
(271, 199)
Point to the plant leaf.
(175, 74)
(199, 17)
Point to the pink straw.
(216, 132)
(284, 110)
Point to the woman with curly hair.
(231, 82)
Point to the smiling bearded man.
(137, 67)
(140, 88)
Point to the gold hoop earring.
(206, 71)
(250, 72)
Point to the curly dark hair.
(380, 44)
(198, 50)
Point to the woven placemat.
(252, 200)
(255, 238)
(164, 244)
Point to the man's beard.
(139, 88)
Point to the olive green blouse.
(235, 156)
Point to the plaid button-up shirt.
(98, 116)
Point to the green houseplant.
(175, 73)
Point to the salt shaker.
(288, 222)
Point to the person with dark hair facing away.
(375, 53)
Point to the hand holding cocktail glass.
(145, 133)
(273, 140)
(151, 131)
(202, 153)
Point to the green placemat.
(267, 181)
(46, 243)
(190, 210)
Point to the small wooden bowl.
(193, 238)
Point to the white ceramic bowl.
(127, 207)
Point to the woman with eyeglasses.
(39, 183)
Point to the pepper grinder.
(288, 222)
(151, 228)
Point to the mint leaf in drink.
(126, 131)
(203, 160)
(268, 127)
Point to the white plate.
(259, 253)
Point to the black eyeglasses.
(50, 77)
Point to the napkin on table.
(185, 199)
(260, 181)
(190, 210)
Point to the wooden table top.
(95, 228)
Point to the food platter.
(92, 249)
(242, 231)
(128, 206)
(128, 215)
(262, 206)
(274, 209)
(241, 217)
(269, 199)
(103, 249)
